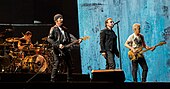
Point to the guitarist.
(135, 41)
(59, 37)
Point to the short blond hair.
(135, 26)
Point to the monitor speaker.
(113, 75)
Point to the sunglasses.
(111, 22)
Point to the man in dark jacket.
(59, 37)
(108, 44)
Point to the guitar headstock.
(161, 43)
(85, 38)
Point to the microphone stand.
(119, 46)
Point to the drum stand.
(50, 61)
(18, 64)
(17, 67)
(5, 57)
(33, 76)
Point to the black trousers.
(57, 59)
(110, 61)
(143, 64)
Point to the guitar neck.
(74, 42)
(147, 49)
(144, 51)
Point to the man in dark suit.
(108, 44)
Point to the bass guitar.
(139, 53)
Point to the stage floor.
(82, 85)
(80, 81)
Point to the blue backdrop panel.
(154, 17)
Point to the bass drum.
(36, 63)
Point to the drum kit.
(30, 60)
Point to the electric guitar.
(71, 44)
(139, 53)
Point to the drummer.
(25, 42)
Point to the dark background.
(19, 15)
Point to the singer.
(108, 44)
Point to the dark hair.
(28, 33)
(57, 16)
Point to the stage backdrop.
(154, 17)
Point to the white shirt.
(135, 41)
(62, 32)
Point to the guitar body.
(139, 53)
(134, 56)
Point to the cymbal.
(26, 50)
(26, 44)
(40, 45)
(12, 39)
(2, 56)
(5, 44)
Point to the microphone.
(116, 22)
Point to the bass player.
(135, 42)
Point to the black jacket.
(55, 37)
(108, 41)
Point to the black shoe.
(143, 81)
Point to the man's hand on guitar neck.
(79, 40)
